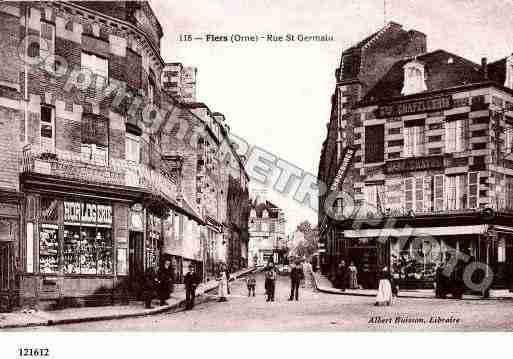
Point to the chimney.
(484, 67)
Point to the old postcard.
(292, 166)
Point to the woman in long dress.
(353, 281)
(384, 296)
(223, 285)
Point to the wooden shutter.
(473, 189)
(439, 192)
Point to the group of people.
(346, 277)
(271, 275)
(162, 283)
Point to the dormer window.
(509, 73)
(414, 78)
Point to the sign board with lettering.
(342, 168)
(413, 107)
(83, 212)
(414, 164)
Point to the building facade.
(417, 162)
(92, 192)
(266, 232)
(180, 81)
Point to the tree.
(309, 245)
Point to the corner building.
(90, 196)
(422, 143)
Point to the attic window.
(509, 72)
(414, 78)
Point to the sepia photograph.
(287, 166)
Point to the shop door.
(136, 258)
(6, 274)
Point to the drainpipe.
(26, 74)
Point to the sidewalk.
(322, 284)
(77, 315)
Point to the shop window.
(456, 133)
(47, 128)
(133, 148)
(48, 249)
(501, 250)
(87, 239)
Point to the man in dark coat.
(296, 276)
(341, 276)
(148, 287)
(191, 281)
(165, 281)
(270, 282)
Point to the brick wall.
(9, 147)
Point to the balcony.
(118, 173)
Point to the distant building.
(180, 81)
(266, 232)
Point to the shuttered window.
(473, 189)
(438, 193)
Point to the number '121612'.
(34, 352)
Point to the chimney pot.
(484, 67)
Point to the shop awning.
(420, 231)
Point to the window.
(508, 139)
(509, 193)
(96, 64)
(509, 73)
(456, 136)
(133, 148)
(374, 144)
(414, 78)
(417, 194)
(473, 189)
(95, 153)
(151, 91)
(501, 250)
(456, 192)
(47, 128)
(95, 139)
(47, 42)
(438, 193)
(373, 199)
(413, 141)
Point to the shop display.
(48, 249)
(71, 250)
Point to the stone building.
(180, 81)
(266, 232)
(91, 194)
(418, 161)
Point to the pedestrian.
(191, 281)
(148, 287)
(223, 284)
(341, 276)
(251, 283)
(270, 282)
(227, 273)
(165, 281)
(384, 296)
(353, 279)
(296, 276)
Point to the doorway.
(136, 262)
(6, 275)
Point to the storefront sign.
(414, 164)
(87, 212)
(413, 107)
(342, 169)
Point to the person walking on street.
(270, 282)
(251, 283)
(296, 276)
(384, 296)
(227, 273)
(223, 284)
(165, 281)
(191, 281)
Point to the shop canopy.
(416, 232)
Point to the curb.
(164, 309)
(338, 292)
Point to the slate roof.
(272, 209)
(443, 70)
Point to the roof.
(497, 71)
(443, 70)
(369, 38)
(271, 208)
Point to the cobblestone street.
(315, 311)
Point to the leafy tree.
(309, 246)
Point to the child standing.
(251, 283)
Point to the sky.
(277, 95)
